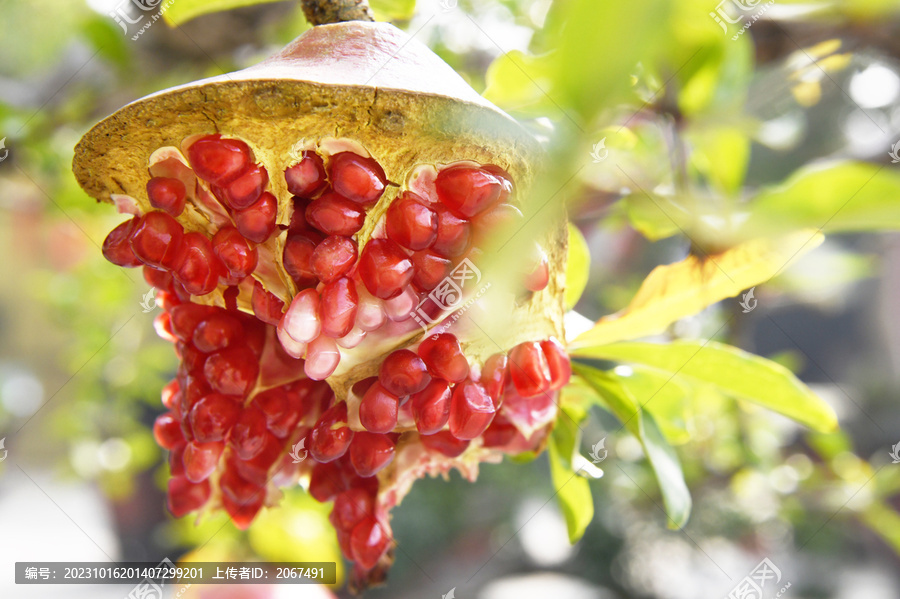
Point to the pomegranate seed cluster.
(351, 273)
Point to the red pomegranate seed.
(453, 234)
(158, 279)
(399, 308)
(256, 469)
(403, 373)
(327, 443)
(334, 214)
(238, 489)
(162, 324)
(558, 363)
(493, 377)
(236, 254)
(410, 223)
(505, 179)
(171, 394)
(213, 416)
(499, 219)
(217, 160)
(528, 369)
(167, 430)
(384, 268)
(197, 267)
(201, 459)
(246, 189)
(368, 542)
(298, 216)
(248, 435)
(297, 258)
(471, 410)
(217, 332)
(353, 338)
(351, 506)
(185, 497)
(337, 307)
(307, 177)
(232, 371)
(176, 463)
(430, 269)
(445, 443)
(444, 357)
(257, 223)
(117, 245)
(370, 453)
(267, 307)
(186, 317)
(166, 194)
(333, 258)
(378, 410)
(539, 276)
(195, 389)
(467, 191)
(325, 481)
(242, 515)
(156, 240)
(356, 178)
(193, 360)
(501, 432)
(370, 315)
(283, 410)
(431, 407)
(168, 300)
(322, 357)
(255, 334)
(301, 321)
(359, 388)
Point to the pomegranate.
(324, 230)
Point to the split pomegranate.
(331, 281)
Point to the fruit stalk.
(323, 12)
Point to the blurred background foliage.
(673, 140)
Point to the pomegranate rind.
(411, 108)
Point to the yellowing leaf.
(674, 291)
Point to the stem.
(322, 12)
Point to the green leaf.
(721, 154)
(847, 196)
(733, 371)
(674, 291)
(656, 217)
(663, 459)
(182, 11)
(885, 522)
(518, 82)
(598, 46)
(578, 266)
(107, 38)
(393, 10)
(669, 395)
(573, 492)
